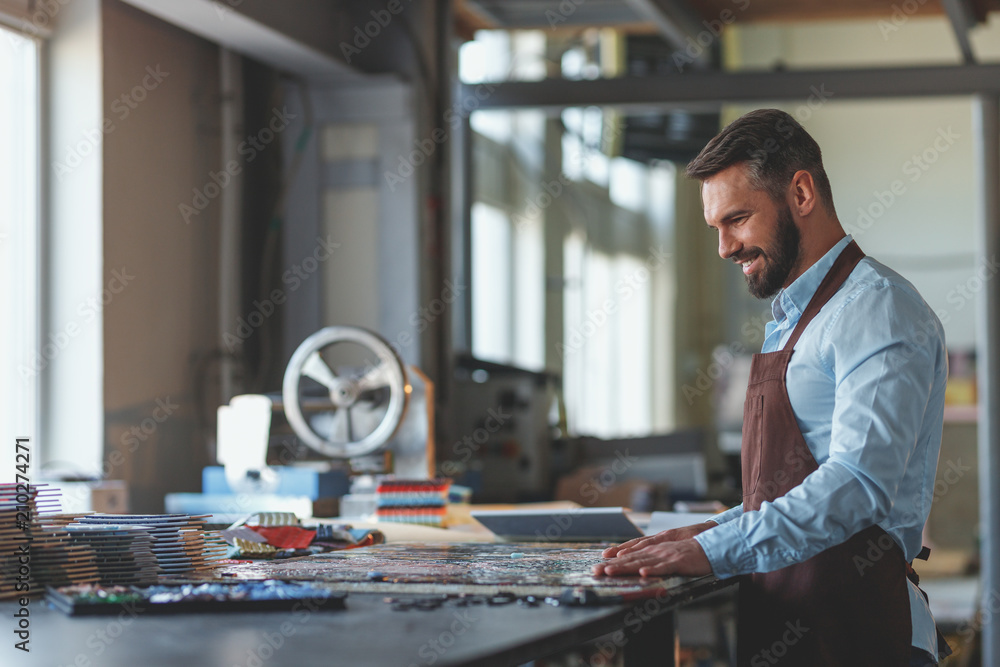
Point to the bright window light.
(491, 284)
(19, 230)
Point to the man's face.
(754, 231)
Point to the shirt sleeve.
(883, 352)
(729, 515)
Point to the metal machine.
(348, 397)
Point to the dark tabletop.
(368, 632)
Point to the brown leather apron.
(833, 609)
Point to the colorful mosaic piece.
(187, 598)
(486, 569)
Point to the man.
(841, 427)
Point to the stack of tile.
(420, 501)
(40, 547)
(122, 554)
(30, 558)
(178, 542)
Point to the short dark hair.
(773, 145)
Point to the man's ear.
(802, 195)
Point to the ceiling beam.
(707, 88)
(678, 25)
(220, 23)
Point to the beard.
(781, 257)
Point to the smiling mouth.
(750, 264)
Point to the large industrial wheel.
(366, 402)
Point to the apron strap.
(944, 650)
(834, 278)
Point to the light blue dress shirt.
(866, 384)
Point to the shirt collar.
(792, 300)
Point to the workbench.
(368, 632)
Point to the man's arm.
(884, 375)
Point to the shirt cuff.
(729, 515)
(726, 551)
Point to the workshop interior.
(333, 302)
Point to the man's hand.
(672, 535)
(685, 558)
(669, 552)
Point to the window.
(508, 305)
(584, 143)
(608, 350)
(491, 283)
(569, 265)
(19, 237)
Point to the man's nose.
(728, 245)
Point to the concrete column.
(986, 111)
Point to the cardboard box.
(109, 496)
